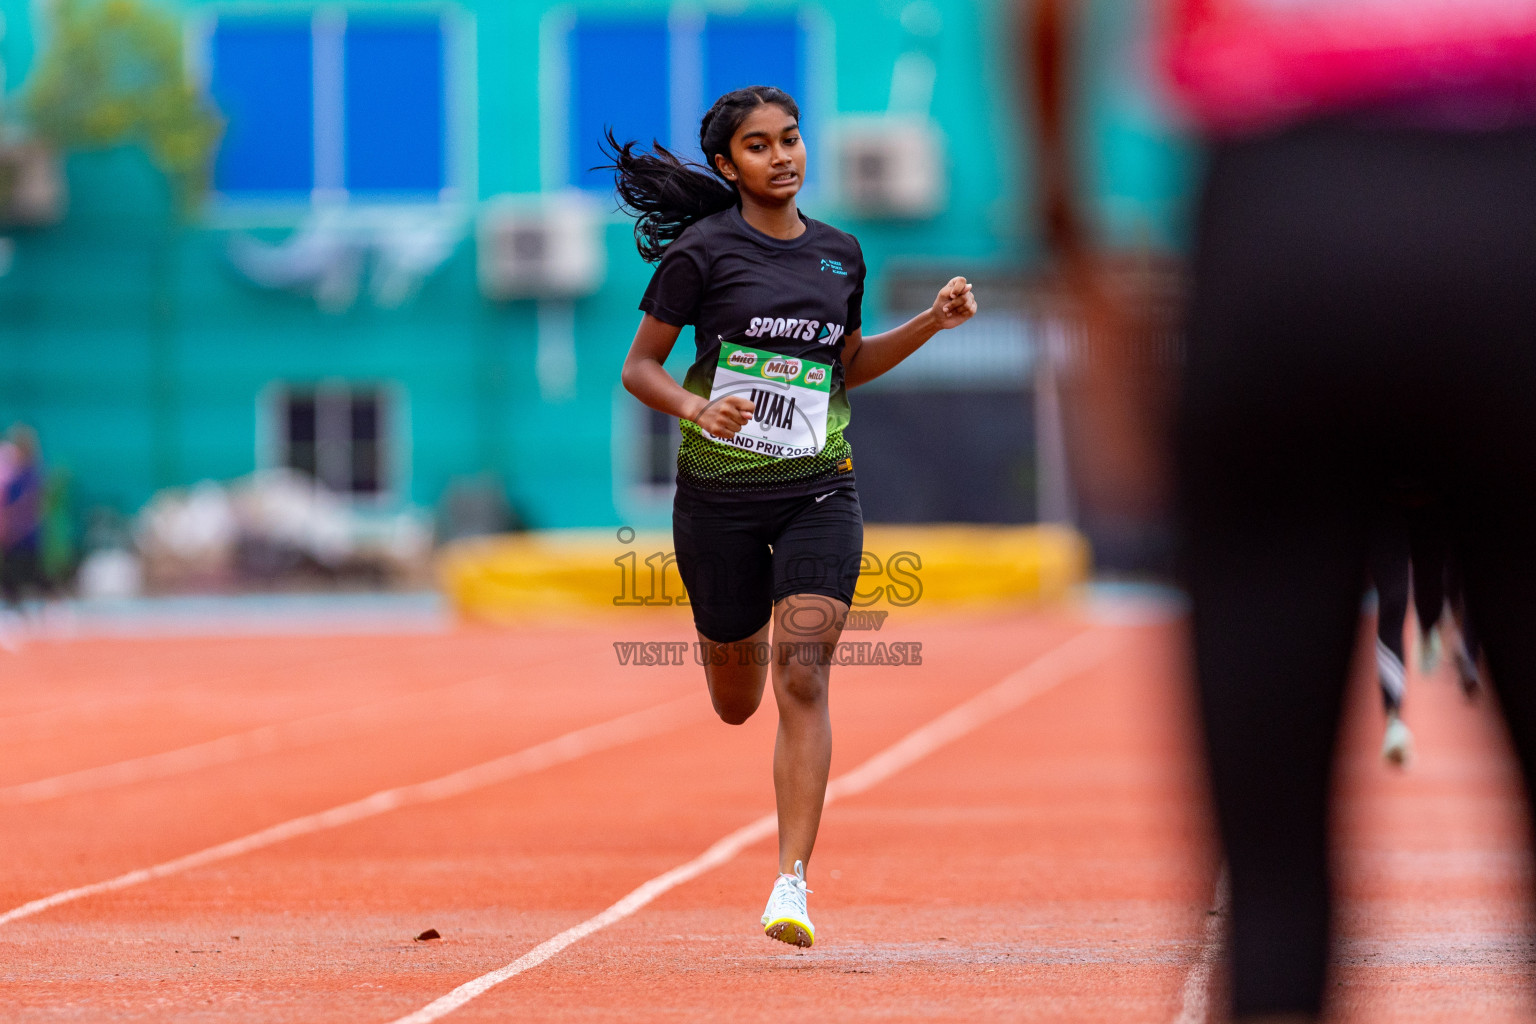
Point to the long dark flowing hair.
(665, 192)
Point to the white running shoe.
(1397, 744)
(786, 918)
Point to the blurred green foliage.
(58, 527)
(114, 74)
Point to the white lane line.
(1072, 658)
(616, 732)
(1195, 999)
(264, 739)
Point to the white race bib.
(789, 396)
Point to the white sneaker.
(1397, 744)
(786, 918)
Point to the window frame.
(686, 29)
(328, 25)
(394, 442)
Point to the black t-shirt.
(770, 319)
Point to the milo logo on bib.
(789, 401)
(781, 369)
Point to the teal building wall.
(142, 357)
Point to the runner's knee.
(735, 698)
(734, 711)
(804, 685)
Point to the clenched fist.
(723, 418)
(955, 304)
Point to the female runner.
(766, 523)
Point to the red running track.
(1052, 864)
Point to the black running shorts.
(738, 557)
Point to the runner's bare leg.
(736, 673)
(806, 631)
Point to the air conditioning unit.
(540, 247)
(891, 167)
(32, 190)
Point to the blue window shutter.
(395, 116)
(620, 77)
(261, 81)
(753, 50)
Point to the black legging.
(21, 575)
(1455, 590)
(1362, 297)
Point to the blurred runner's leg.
(1361, 299)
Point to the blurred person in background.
(1360, 319)
(21, 505)
(1361, 316)
(1440, 604)
(1391, 570)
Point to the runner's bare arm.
(647, 379)
(864, 359)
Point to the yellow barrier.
(511, 577)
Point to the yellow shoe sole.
(789, 930)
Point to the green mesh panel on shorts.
(708, 466)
